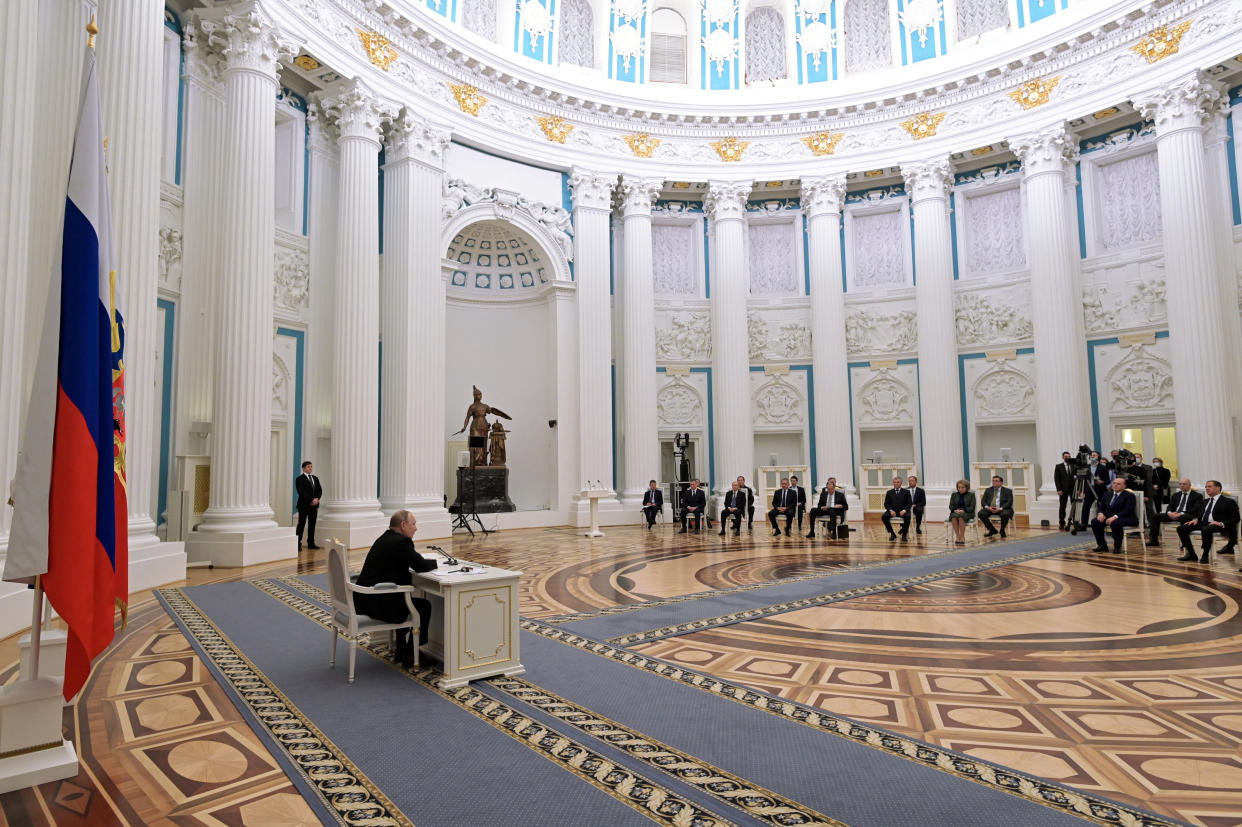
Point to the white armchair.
(346, 620)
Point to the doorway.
(1151, 441)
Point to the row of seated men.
(1210, 513)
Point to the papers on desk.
(456, 570)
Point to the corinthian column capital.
(1053, 149)
(410, 137)
(246, 38)
(592, 190)
(638, 194)
(355, 110)
(823, 194)
(927, 179)
(727, 199)
(1187, 103)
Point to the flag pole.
(36, 627)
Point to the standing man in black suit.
(653, 503)
(390, 560)
(801, 492)
(1160, 485)
(918, 502)
(997, 501)
(832, 505)
(734, 507)
(309, 491)
(750, 502)
(784, 504)
(693, 504)
(896, 504)
(1185, 505)
(1097, 486)
(1063, 479)
(1219, 516)
(1118, 511)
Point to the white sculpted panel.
(1124, 296)
(765, 45)
(778, 402)
(994, 232)
(873, 331)
(1128, 201)
(879, 245)
(170, 257)
(1140, 381)
(683, 336)
(678, 404)
(776, 336)
(673, 258)
(868, 37)
(773, 260)
(992, 317)
(1004, 393)
(291, 282)
(974, 17)
(885, 399)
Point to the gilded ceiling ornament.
(1035, 92)
(730, 149)
(468, 98)
(1161, 42)
(823, 143)
(1105, 114)
(923, 125)
(981, 151)
(642, 144)
(555, 129)
(306, 63)
(378, 49)
(873, 173)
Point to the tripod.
(1075, 517)
(463, 518)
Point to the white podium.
(595, 495)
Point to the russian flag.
(70, 523)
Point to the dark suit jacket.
(966, 502)
(735, 499)
(1100, 482)
(1159, 477)
(1194, 504)
(655, 497)
(1125, 509)
(1063, 478)
(308, 489)
(786, 498)
(838, 500)
(1003, 501)
(801, 495)
(918, 497)
(390, 560)
(1224, 511)
(897, 500)
(696, 499)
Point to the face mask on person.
(1158, 464)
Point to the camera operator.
(1098, 478)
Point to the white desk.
(474, 622)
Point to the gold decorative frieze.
(980, 151)
(1035, 92)
(873, 173)
(306, 63)
(681, 185)
(1161, 42)
(554, 128)
(1105, 114)
(468, 98)
(923, 125)
(379, 50)
(642, 144)
(823, 143)
(730, 149)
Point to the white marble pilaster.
(131, 45)
(928, 184)
(822, 197)
(638, 360)
(322, 193)
(734, 439)
(412, 322)
(1062, 400)
(351, 506)
(238, 527)
(1203, 369)
(592, 196)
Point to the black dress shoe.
(737, 532)
(1117, 551)
(891, 536)
(683, 531)
(722, 532)
(1226, 550)
(1003, 534)
(991, 532)
(776, 533)
(811, 536)
(959, 542)
(1101, 549)
(1188, 557)
(1206, 558)
(904, 538)
(918, 531)
(1154, 543)
(786, 532)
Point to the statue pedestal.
(492, 487)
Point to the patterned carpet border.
(642, 794)
(824, 599)
(347, 793)
(1031, 788)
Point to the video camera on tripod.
(1125, 466)
(1082, 462)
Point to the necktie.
(1182, 507)
(1113, 504)
(1207, 512)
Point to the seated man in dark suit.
(391, 559)
(896, 504)
(750, 502)
(733, 508)
(784, 504)
(918, 502)
(997, 501)
(1219, 516)
(1185, 505)
(1118, 511)
(801, 492)
(832, 505)
(693, 506)
(653, 503)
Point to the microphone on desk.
(448, 558)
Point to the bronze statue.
(476, 420)
(496, 449)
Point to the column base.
(354, 530)
(156, 564)
(938, 500)
(1045, 507)
(242, 548)
(434, 521)
(611, 512)
(30, 725)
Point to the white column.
(131, 46)
(351, 506)
(638, 360)
(1216, 140)
(412, 324)
(592, 194)
(238, 527)
(939, 401)
(1062, 404)
(734, 440)
(834, 436)
(1202, 367)
(322, 185)
(562, 354)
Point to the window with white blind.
(666, 62)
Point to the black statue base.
(492, 491)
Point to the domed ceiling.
(496, 257)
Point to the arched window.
(867, 35)
(576, 40)
(667, 46)
(765, 45)
(975, 17)
(479, 16)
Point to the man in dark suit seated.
(1118, 511)
(1185, 504)
(832, 505)
(1097, 486)
(1219, 516)
(896, 504)
(391, 559)
(801, 492)
(653, 503)
(733, 508)
(918, 502)
(997, 501)
(693, 506)
(750, 502)
(784, 504)
(1063, 479)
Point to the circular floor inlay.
(770, 667)
(968, 685)
(160, 673)
(169, 644)
(1194, 772)
(1121, 724)
(210, 762)
(1036, 763)
(166, 712)
(857, 676)
(983, 717)
(1165, 689)
(1064, 689)
(856, 707)
(283, 810)
(692, 656)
